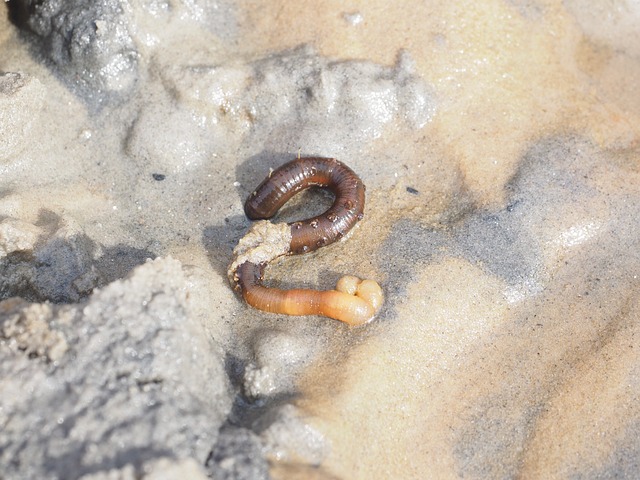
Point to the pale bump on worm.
(354, 301)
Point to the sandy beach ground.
(499, 144)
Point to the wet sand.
(499, 146)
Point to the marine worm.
(354, 301)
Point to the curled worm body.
(295, 176)
(354, 301)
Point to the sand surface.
(499, 143)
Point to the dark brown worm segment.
(354, 301)
(302, 173)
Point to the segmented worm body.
(295, 176)
(354, 301)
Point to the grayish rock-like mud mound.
(130, 353)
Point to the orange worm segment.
(355, 308)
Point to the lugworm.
(354, 301)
